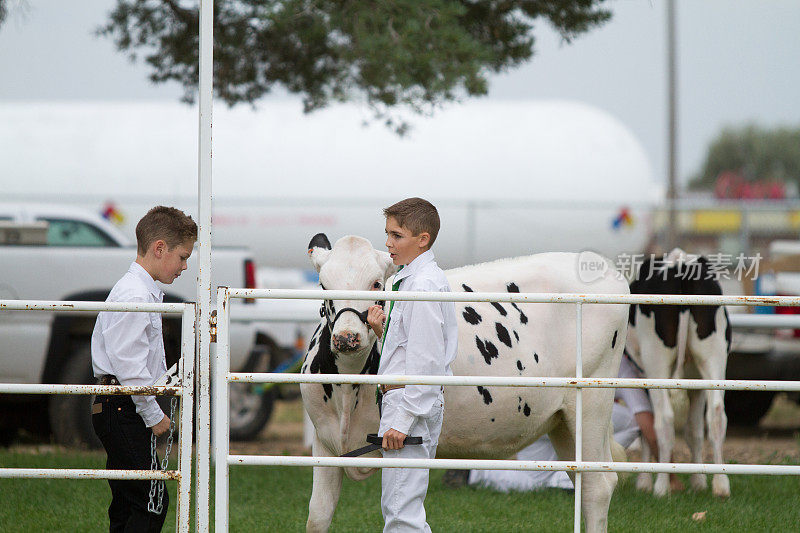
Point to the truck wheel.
(746, 408)
(70, 415)
(251, 405)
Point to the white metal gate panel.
(223, 377)
(184, 389)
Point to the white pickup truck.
(50, 252)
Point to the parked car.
(51, 252)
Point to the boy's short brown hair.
(417, 215)
(167, 223)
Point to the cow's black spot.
(526, 410)
(320, 240)
(312, 343)
(520, 367)
(500, 308)
(512, 287)
(502, 334)
(488, 350)
(523, 318)
(516, 335)
(324, 361)
(466, 288)
(678, 279)
(471, 316)
(536, 356)
(372, 362)
(487, 398)
(727, 329)
(519, 406)
(325, 397)
(614, 340)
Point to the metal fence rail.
(185, 390)
(223, 377)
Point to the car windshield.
(75, 233)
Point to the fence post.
(206, 66)
(221, 422)
(187, 407)
(578, 414)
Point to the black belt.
(107, 379)
(376, 443)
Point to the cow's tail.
(682, 338)
(678, 397)
(618, 454)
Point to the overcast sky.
(738, 63)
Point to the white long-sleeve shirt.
(421, 339)
(130, 345)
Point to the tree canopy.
(755, 153)
(416, 54)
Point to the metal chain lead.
(156, 485)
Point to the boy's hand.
(162, 427)
(393, 440)
(376, 318)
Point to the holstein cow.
(677, 341)
(495, 339)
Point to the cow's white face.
(351, 264)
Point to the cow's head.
(351, 264)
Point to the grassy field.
(276, 499)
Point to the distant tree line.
(755, 153)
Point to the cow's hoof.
(455, 479)
(720, 486)
(661, 487)
(698, 482)
(644, 482)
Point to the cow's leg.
(665, 431)
(644, 481)
(324, 492)
(658, 360)
(597, 487)
(717, 422)
(711, 358)
(694, 434)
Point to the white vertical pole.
(204, 267)
(187, 406)
(221, 433)
(578, 415)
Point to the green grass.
(276, 499)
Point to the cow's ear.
(386, 263)
(318, 250)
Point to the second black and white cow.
(495, 339)
(682, 341)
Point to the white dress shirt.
(421, 339)
(130, 345)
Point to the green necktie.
(395, 287)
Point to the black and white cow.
(494, 340)
(670, 341)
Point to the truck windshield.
(75, 233)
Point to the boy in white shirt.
(420, 339)
(128, 349)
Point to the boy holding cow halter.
(420, 338)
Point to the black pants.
(127, 443)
